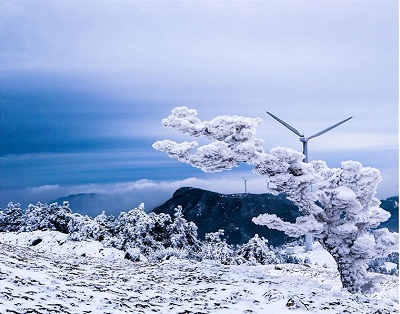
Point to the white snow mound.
(51, 277)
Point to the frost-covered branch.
(303, 225)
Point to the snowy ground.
(59, 276)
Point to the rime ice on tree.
(340, 213)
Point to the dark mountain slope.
(211, 211)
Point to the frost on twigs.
(304, 224)
(338, 204)
(233, 140)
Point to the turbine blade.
(328, 129)
(285, 124)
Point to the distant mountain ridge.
(212, 211)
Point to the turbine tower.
(304, 140)
(245, 185)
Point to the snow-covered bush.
(214, 247)
(11, 218)
(156, 236)
(80, 227)
(133, 230)
(338, 205)
(105, 228)
(379, 265)
(256, 251)
(61, 216)
(101, 228)
(47, 217)
(283, 257)
(36, 217)
(160, 232)
(148, 232)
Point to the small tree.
(340, 210)
(183, 234)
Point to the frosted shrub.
(80, 228)
(378, 265)
(60, 216)
(256, 251)
(101, 228)
(105, 228)
(159, 231)
(47, 217)
(151, 232)
(216, 248)
(338, 205)
(11, 218)
(37, 217)
(132, 230)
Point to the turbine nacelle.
(302, 137)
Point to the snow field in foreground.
(54, 277)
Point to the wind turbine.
(304, 140)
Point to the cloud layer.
(85, 84)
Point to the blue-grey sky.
(85, 84)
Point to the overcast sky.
(85, 84)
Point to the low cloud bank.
(92, 199)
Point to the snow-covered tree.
(183, 234)
(339, 210)
(348, 210)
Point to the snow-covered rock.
(58, 244)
